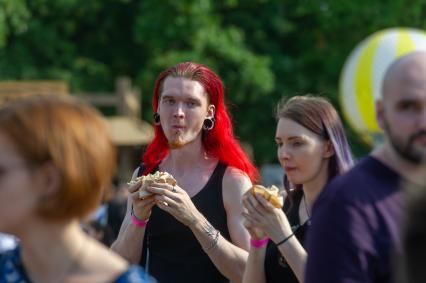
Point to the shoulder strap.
(141, 168)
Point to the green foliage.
(262, 49)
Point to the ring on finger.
(174, 189)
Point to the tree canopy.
(262, 49)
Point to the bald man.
(355, 230)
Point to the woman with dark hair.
(56, 158)
(195, 231)
(312, 149)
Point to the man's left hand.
(175, 200)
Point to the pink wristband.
(259, 243)
(137, 222)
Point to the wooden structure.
(13, 89)
(127, 130)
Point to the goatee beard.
(176, 144)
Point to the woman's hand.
(254, 232)
(263, 216)
(175, 200)
(141, 206)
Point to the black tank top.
(174, 254)
(276, 267)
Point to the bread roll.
(271, 194)
(157, 177)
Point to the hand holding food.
(271, 194)
(157, 177)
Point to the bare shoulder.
(102, 262)
(235, 183)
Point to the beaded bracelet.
(284, 240)
(259, 243)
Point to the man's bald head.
(401, 112)
(409, 69)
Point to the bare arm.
(129, 242)
(130, 239)
(296, 257)
(255, 268)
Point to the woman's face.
(302, 154)
(183, 106)
(18, 199)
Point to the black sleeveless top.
(276, 267)
(171, 249)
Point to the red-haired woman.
(195, 231)
(56, 158)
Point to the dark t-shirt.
(355, 226)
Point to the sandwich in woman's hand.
(157, 177)
(271, 194)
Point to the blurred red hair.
(74, 138)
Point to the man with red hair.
(195, 231)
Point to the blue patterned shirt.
(13, 271)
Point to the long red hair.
(219, 142)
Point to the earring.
(156, 118)
(208, 124)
